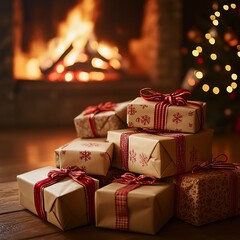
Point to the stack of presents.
(133, 166)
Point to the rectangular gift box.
(97, 125)
(162, 155)
(149, 207)
(189, 118)
(92, 155)
(208, 196)
(65, 202)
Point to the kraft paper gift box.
(162, 155)
(208, 196)
(95, 121)
(92, 155)
(65, 202)
(189, 118)
(149, 207)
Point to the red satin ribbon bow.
(130, 178)
(175, 98)
(108, 106)
(216, 164)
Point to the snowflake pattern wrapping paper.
(102, 122)
(149, 207)
(91, 155)
(208, 196)
(189, 118)
(159, 155)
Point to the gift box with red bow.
(92, 155)
(208, 194)
(159, 154)
(95, 121)
(63, 197)
(166, 112)
(135, 204)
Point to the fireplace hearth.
(150, 56)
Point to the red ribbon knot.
(108, 106)
(174, 98)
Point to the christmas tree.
(211, 59)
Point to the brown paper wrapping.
(206, 197)
(160, 151)
(64, 202)
(150, 207)
(92, 155)
(188, 118)
(104, 121)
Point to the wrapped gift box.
(188, 118)
(149, 207)
(208, 196)
(96, 125)
(162, 155)
(92, 155)
(65, 202)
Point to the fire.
(75, 54)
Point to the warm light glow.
(99, 63)
(238, 53)
(216, 90)
(107, 51)
(215, 6)
(233, 5)
(228, 68)
(191, 82)
(212, 41)
(199, 75)
(234, 76)
(68, 76)
(195, 53)
(114, 63)
(225, 7)
(229, 89)
(205, 88)
(60, 68)
(82, 58)
(32, 68)
(212, 17)
(238, 47)
(234, 85)
(217, 14)
(199, 49)
(83, 76)
(208, 36)
(215, 22)
(97, 76)
(213, 56)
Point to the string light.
(205, 88)
(215, 22)
(199, 49)
(213, 56)
(195, 53)
(217, 14)
(199, 75)
(229, 89)
(234, 85)
(226, 7)
(233, 5)
(228, 68)
(216, 90)
(212, 41)
(234, 76)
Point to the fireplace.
(122, 46)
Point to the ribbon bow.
(108, 106)
(216, 164)
(175, 98)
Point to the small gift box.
(95, 121)
(91, 155)
(166, 112)
(63, 197)
(207, 196)
(159, 154)
(134, 204)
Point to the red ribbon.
(216, 164)
(121, 206)
(175, 98)
(93, 110)
(55, 176)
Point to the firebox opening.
(76, 40)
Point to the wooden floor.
(24, 150)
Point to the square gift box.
(207, 196)
(92, 155)
(95, 121)
(149, 207)
(189, 118)
(162, 155)
(65, 202)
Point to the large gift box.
(165, 116)
(160, 155)
(66, 203)
(95, 121)
(207, 196)
(92, 155)
(144, 209)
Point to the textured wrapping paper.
(102, 122)
(188, 118)
(92, 155)
(150, 207)
(159, 155)
(208, 196)
(65, 202)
